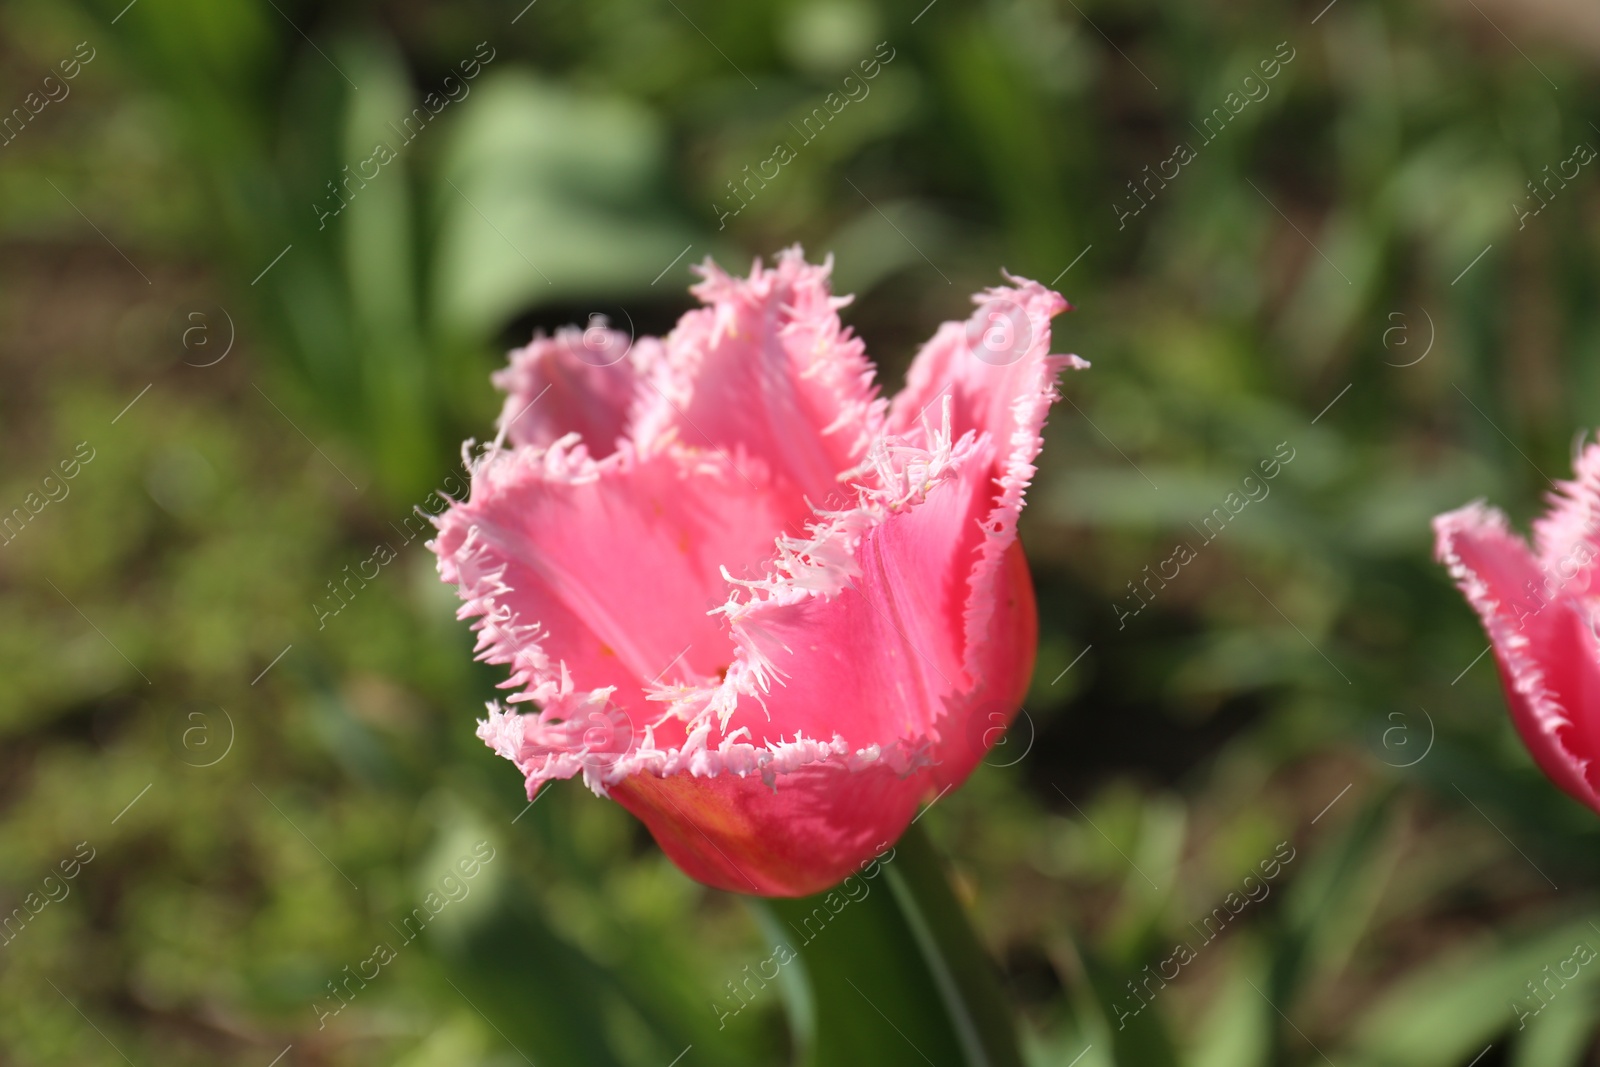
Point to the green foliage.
(1336, 273)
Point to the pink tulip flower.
(761, 607)
(1538, 606)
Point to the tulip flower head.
(763, 608)
(1538, 605)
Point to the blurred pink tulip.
(1538, 606)
(765, 610)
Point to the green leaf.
(545, 194)
(1559, 1035)
(1238, 1024)
(542, 996)
(375, 228)
(890, 970)
(1446, 1013)
(1331, 901)
(1138, 1038)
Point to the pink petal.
(1568, 538)
(877, 661)
(739, 834)
(579, 381)
(935, 582)
(774, 373)
(998, 373)
(873, 653)
(601, 574)
(1548, 655)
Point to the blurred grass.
(1260, 287)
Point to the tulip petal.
(740, 834)
(1568, 538)
(997, 371)
(776, 374)
(1546, 650)
(585, 382)
(858, 634)
(888, 578)
(602, 573)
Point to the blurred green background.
(1347, 268)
